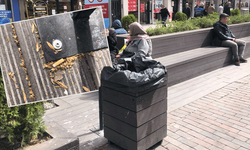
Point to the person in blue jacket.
(118, 27)
(199, 12)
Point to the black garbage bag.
(134, 75)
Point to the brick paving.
(219, 120)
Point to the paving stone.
(171, 147)
(242, 144)
(229, 143)
(199, 147)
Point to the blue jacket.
(118, 27)
(199, 12)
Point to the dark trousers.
(164, 19)
(238, 47)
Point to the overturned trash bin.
(134, 104)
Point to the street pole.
(193, 3)
(239, 4)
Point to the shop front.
(39, 8)
(5, 12)
(146, 11)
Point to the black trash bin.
(135, 115)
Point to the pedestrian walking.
(199, 12)
(220, 9)
(227, 8)
(186, 10)
(164, 14)
(210, 9)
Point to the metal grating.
(84, 72)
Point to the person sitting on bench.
(224, 37)
(138, 44)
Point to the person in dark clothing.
(227, 8)
(164, 14)
(112, 40)
(117, 25)
(199, 12)
(224, 37)
(186, 10)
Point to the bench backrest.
(183, 41)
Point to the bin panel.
(129, 144)
(134, 103)
(134, 133)
(133, 118)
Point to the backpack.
(199, 12)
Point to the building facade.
(146, 11)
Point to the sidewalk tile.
(214, 142)
(199, 147)
(171, 147)
(222, 135)
(210, 135)
(242, 148)
(229, 143)
(187, 141)
(242, 144)
(227, 148)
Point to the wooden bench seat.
(186, 65)
(247, 50)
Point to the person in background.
(199, 12)
(164, 14)
(112, 40)
(139, 43)
(210, 9)
(196, 6)
(227, 8)
(220, 9)
(186, 10)
(117, 25)
(225, 38)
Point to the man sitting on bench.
(224, 37)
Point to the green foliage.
(195, 23)
(214, 16)
(21, 123)
(204, 22)
(236, 19)
(127, 20)
(246, 17)
(235, 12)
(179, 26)
(179, 16)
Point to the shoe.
(237, 63)
(242, 60)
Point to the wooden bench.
(188, 54)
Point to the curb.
(62, 139)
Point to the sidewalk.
(211, 111)
(219, 120)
